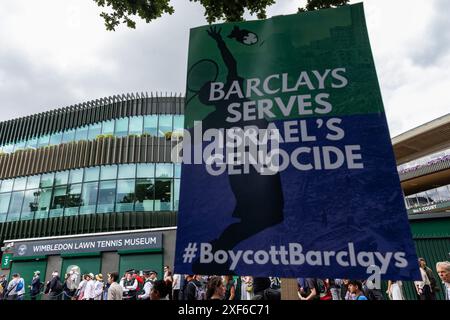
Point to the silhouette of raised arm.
(227, 57)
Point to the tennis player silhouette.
(259, 198)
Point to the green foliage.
(104, 136)
(322, 4)
(124, 11)
(233, 10)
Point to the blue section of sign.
(324, 210)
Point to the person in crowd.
(79, 294)
(150, 278)
(345, 294)
(99, 287)
(260, 285)
(247, 288)
(194, 289)
(372, 291)
(230, 288)
(395, 290)
(89, 290)
(66, 293)
(215, 289)
(424, 286)
(184, 280)
(35, 287)
(140, 280)
(3, 286)
(159, 290)
(115, 291)
(443, 270)
(325, 292)
(356, 290)
(168, 278)
(70, 285)
(54, 287)
(176, 286)
(335, 288)
(310, 291)
(16, 288)
(129, 285)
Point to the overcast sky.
(57, 53)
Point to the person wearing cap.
(129, 286)
(35, 286)
(99, 286)
(89, 290)
(150, 278)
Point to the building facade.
(91, 186)
(423, 158)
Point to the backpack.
(19, 286)
(200, 293)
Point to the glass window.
(121, 129)
(58, 202)
(76, 176)
(106, 196)
(68, 136)
(145, 170)
(433, 195)
(422, 198)
(44, 141)
(151, 125)
(45, 197)
(15, 206)
(178, 125)
(91, 174)
(19, 146)
(33, 182)
(4, 205)
(47, 180)
(56, 138)
(61, 178)
(412, 201)
(73, 199)
(108, 127)
(165, 126)
(32, 143)
(125, 195)
(7, 185)
(163, 194)
(127, 171)
(94, 130)
(82, 133)
(164, 170)
(176, 194)
(136, 124)
(177, 167)
(444, 193)
(19, 183)
(89, 197)
(108, 172)
(30, 204)
(145, 195)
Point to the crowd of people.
(147, 286)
